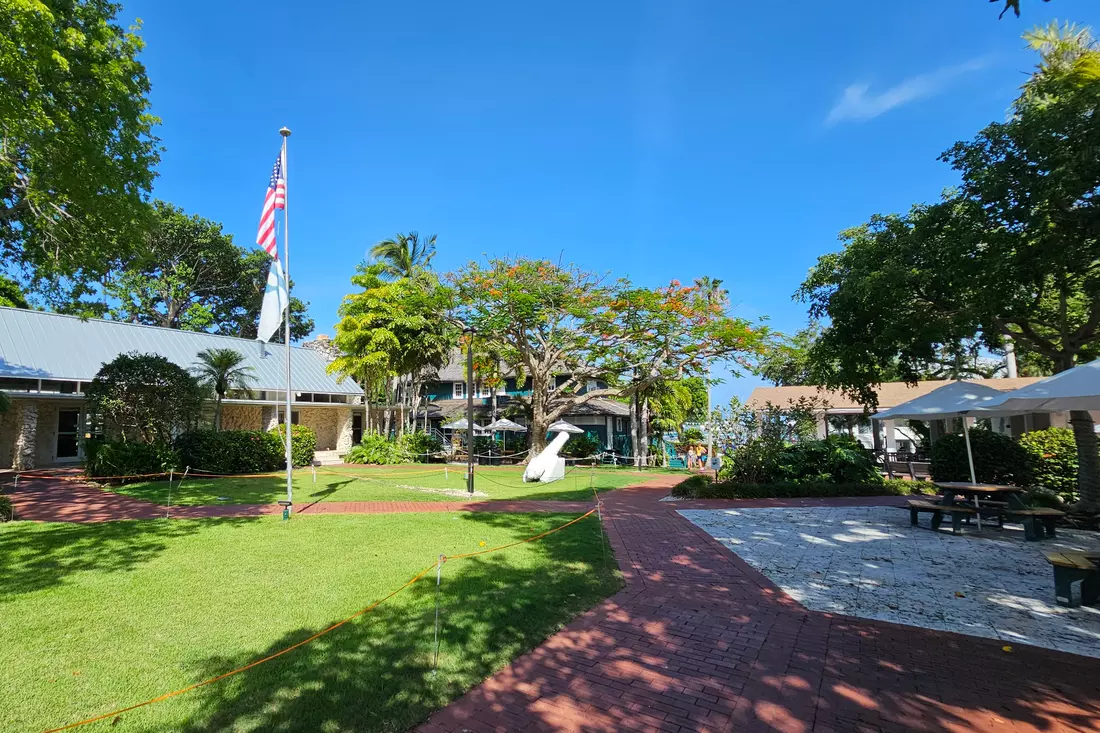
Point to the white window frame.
(458, 390)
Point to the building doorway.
(356, 429)
(68, 435)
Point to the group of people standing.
(696, 457)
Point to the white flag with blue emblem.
(275, 300)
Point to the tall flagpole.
(286, 273)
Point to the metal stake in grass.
(438, 580)
(171, 474)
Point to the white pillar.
(610, 433)
(891, 436)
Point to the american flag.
(275, 199)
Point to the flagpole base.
(286, 508)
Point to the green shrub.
(705, 489)
(754, 462)
(691, 487)
(6, 514)
(835, 459)
(1045, 497)
(581, 446)
(998, 459)
(418, 446)
(231, 451)
(377, 450)
(107, 459)
(1052, 456)
(484, 445)
(303, 443)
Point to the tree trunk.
(218, 414)
(644, 430)
(1088, 462)
(635, 431)
(536, 431)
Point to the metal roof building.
(38, 345)
(46, 359)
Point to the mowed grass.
(424, 482)
(99, 617)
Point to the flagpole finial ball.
(285, 132)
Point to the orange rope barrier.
(319, 634)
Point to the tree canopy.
(77, 151)
(403, 255)
(1014, 252)
(144, 398)
(189, 275)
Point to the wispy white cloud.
(859, 103)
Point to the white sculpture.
(548, 466)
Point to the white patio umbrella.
(951, 400)
(461, 425)
(505, 426)
(561, 426)
(1074, 389)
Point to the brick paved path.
(700, 641)
(60, 500)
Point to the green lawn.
(388, 483)
(98, 617)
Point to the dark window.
(18, 385)
(293, 417)
(356, 429)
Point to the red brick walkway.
(700, 641)
(60, 500)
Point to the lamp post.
(469, 332)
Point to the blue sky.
(656, 140)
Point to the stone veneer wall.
(323, 421)
(8, 432)
(242, 417)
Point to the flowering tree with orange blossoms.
(547, 320)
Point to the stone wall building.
(47, 358)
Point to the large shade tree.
(563, 329)
(1013, 253)
(188, 274)
(77, 151)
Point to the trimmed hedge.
(998, 459)
(700, 487)
(303, 443)
(106, 459)
(231, 451)
(1052, 454)
(5, 509)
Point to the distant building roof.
(890, 394)
(596, 406)
(42, 345)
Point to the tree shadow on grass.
(35, 557)
(376, 673)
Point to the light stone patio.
(869, 562)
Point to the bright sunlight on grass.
(98, 617)
(424, 482)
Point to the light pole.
(469, 332)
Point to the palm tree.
(403, 255)
(222, 370)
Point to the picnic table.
(1000, 500)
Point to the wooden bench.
(1070, 567)
(916, 470)
(1038, 522)
(958, 513)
